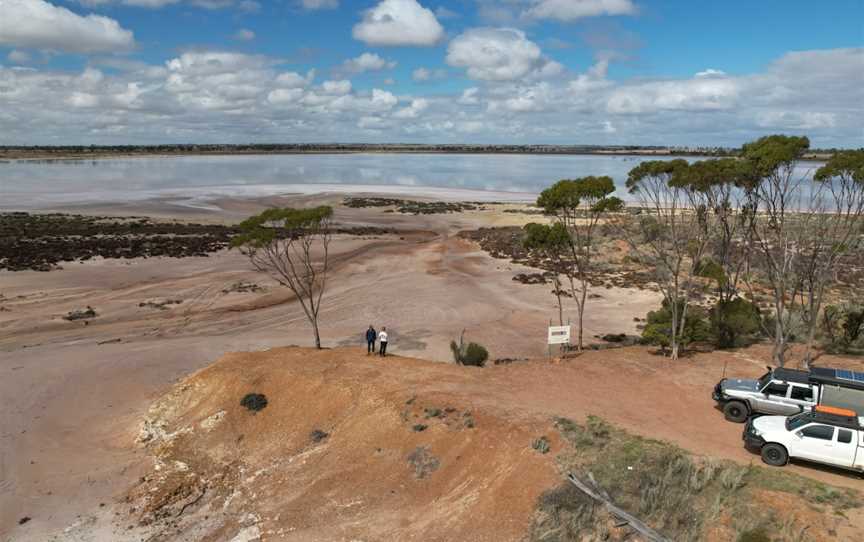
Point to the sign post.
(558, 335)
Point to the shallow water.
(193, 180)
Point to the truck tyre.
(735, 411)
(774, 454)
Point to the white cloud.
(417, 106)
(697, 94)
(711, 73)
(294, 79)
(534, 98)
(365, 62)
(247, 6)
(372, 123)
(424, 74)
(499, 54)
(338, 88)
(19, 57)
(796, 120)
(244, 34)
(470, 96)
(383, 99)
(213, 80)
(399, 22)
(570, 10)
(282, 96)
(212, 96)
(37, 24)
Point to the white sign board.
(559, 335)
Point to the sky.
(626, 72)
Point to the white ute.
(828, 435)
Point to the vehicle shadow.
(828, 469)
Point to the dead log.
(636, 524)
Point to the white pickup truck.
(828, 435)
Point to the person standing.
(382, 339)
(371, 335)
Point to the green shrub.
(758, 534)
(843, 327)
(658, 330)
(254, 401)
(735, 322)
(472, 354)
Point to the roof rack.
(821, 375)
(791, 375)
(841, 417)
(839, 377)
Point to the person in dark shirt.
(371, 335)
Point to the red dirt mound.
(340, 452)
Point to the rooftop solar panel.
(845, 374)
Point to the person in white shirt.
(382, 340)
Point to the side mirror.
(799, 435)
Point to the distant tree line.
(288, 148)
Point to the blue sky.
(521, 71)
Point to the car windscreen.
(764, 380)
(796, 421)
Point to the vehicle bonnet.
(740, 384)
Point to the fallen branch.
(637, 525)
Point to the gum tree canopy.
(292, 246)
(781, 228)
(672, 231)
(553, 243)
(578, 205)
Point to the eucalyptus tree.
(781, 227)
(578, 205)
(552, 242)
(671, 233)
(835, 230)
(292, 246)
(723, 186)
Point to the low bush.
(318, 435)
(658, 330)
(472, 354)
(734, 323)
(254, 401)
(842, 327)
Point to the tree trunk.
(815, 303)
(557, 284)
(317, 335)
(673, 339)
(779, 341)
(582, 312)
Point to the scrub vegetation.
(683, 497)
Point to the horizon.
(522, 72)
